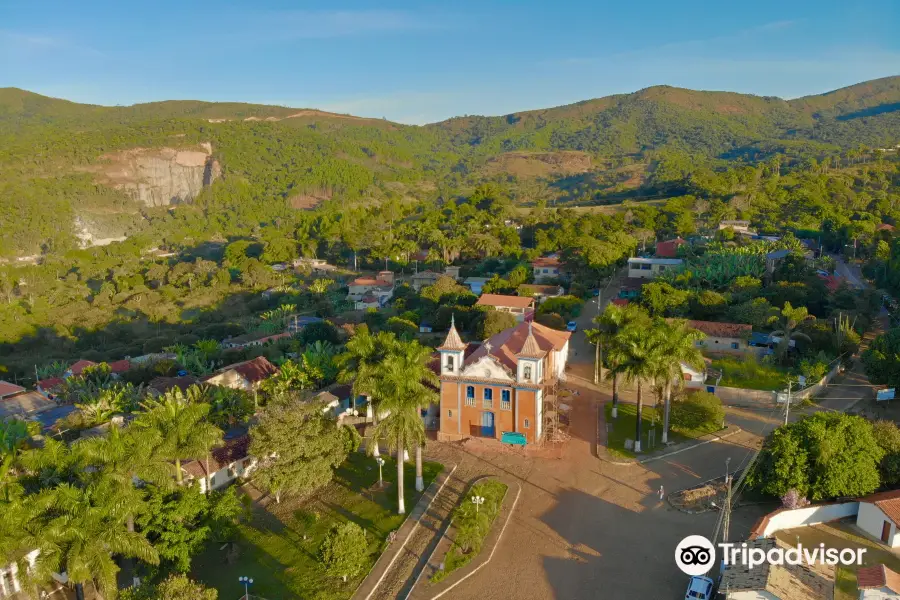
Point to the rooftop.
(509, 343)
(725, 330)
(8, 389)
(504, 301)
(547, 261)
(789, 582)
(370, 281)
(233, 450)
(888, 502)
(81, 365)
(254, 371)
(637, 260)
(878, 576)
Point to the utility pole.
(787, 408)
(727, 507)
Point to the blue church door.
(487, 424)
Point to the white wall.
(809, 515)
(760, 595)
(871, 519)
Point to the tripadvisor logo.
(695, 555)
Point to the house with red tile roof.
(878, 583)
(505, 384)
(879, 516)
(79, 367)
(7, 389)
(547, 268)
(521, 307)
(247, 375)
(224, 465)
(723, 338)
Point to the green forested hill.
(270, 156)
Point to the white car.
(699, 588)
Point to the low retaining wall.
(785, 518)
(760, 398)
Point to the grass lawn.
(842, 535)
(750, 374)
(479, 521)
(282, 563)
(623, 427)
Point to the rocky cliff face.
(162, 176)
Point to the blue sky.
(422, 62)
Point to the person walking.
(662, 493)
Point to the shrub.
(792, 499)
(698, 410)
(493, 322)
(319, 332)
(552, 320)
(344, 551)
(402, 328)
(568, 307)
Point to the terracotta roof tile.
(888, 502)
(254, 370)
(8, 389)
(546, 261)
(233, 450)
(452, 341)
(80, 366)
(505, 345)
(716, 329)
(878, 576)
(120, 366)
(504, 301)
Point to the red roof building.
(247, 375)
(877, 577)
(521, 307)
(8, 389)
(669, 248)
(80, 366)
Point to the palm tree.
(679, 345)
(791, 318)
(182, 427)
(636, 358)
(14, 437)
(610, 323)
(403, 387)
(127, 455)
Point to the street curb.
(408, 536)
(650, 459)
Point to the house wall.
(723, 345)
(808, 515)
(882, 593)
(871, 518)
(641, 270)
(227, 475)
(231, 379)
(355, 292)
(545, 273)
(459, 420)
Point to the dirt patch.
(702, 498)
(540, 164)
(308, 200)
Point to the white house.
(649, 268)
(223, 466)
(878, 583)
(879, 515)
(521, 307)
(247, 375)
(424, 279)
(693, 379)
(723, 338)
(383, 284)
(547, 268)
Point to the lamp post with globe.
(247, 581)
(477, 501)
(380, 462)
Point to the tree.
(678, 346)
(824, 456)
(791, 318)
(403, 386)
(887, 436)
(179, 522)
(636, 355)
(493, 322)
(610, 324)
(697, 410)
(345, 550)
(15, 436)
(319, 332)
(182, 427)
(174, 587)
(882, 359)
(299, 446)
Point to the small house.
(7, 389)
(424, 279)
(254, 339)
(247, 375)
(540, 292)
(451, 271)
(723, 338)
(383, 284)
(878, 583)
(879, 516)
(739, 226)
(669, 248)
(776, 582)
(692, 378)
(223, 466)
(522, 308)
(649, 268)
(547, 268)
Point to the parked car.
(699, 588)
(571, 326)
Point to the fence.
(785, 518)
(761, 398)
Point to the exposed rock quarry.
(161, 176)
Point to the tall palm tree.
(402, 388)
(791, 318)
(636, 358)
(14, 438)
(678, 345)
(182, 426)
(610, 323)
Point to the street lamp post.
(247, 581)
(380, 462)
(478, 501)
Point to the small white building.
(878, 583)
(424, 279)
(247, 375)
(723, 338)
(522, 308)
(649, 268)
(879, 515)
(382, 285)
(224, 465)
(693, 379)
(547, 268)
